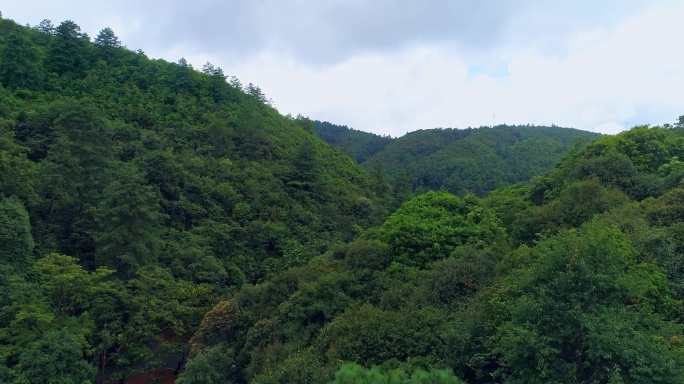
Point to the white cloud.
(606, 80)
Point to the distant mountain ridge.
(474, 160)
(359, 145)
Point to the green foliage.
(474, 160)
(106, 39)
(466, 271)
(571, 278)
(167, 188)
(16, 241)
(360, 145)
(580, 201)
(55, 357)
(129, 223)
(371, 254)
(66, 284)
(19, 66)
(17, 173)
(568, 308)
(67, 54)
(577, 203)
(430, 226)
(367, 334)
(300, 367)
(215, 365)
(356, 374)
(640, 162)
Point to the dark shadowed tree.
(128, 222)
(680, 122)
(16, 242)
(46, 27)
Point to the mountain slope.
(357, 144)
(475, 160)
(575, 276)
(135, 192)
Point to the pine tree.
(108, 43)
(46, 27)
(217, 80)
(256, 92)
(76, 170)
(16, 242)
(304, 173)
(19, 68)
(680, 122)
(107, 39)
(128, 222)
(68, 53)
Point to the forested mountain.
(134, 193)
(159, 222)
(476, 160)
(575, 277)
(357, 144)
(473, 160)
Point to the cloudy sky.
(393, 66)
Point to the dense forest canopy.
(476, 160)
(461, 161)
(574, 277)
(136, 192)
(160, 221)
(357, 144)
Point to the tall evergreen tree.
(217, 80)
(108, 43)
(16, 241)
(18, 67)
(46, 27)
(304, 172)
(256, 92)
(128, 222)
(74, 174)
(68, 52)
(107, 39)
(680, 122)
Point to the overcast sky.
(393, 66)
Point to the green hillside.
(475, 160)
(575, 277)
(136, 192)
(357, 144)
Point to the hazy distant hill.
(475, 160)
(357, 144)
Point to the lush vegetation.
(470, 160)
(575, 277)
(154, 216)
(134, 193)
(357, 144)
(460, 161)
